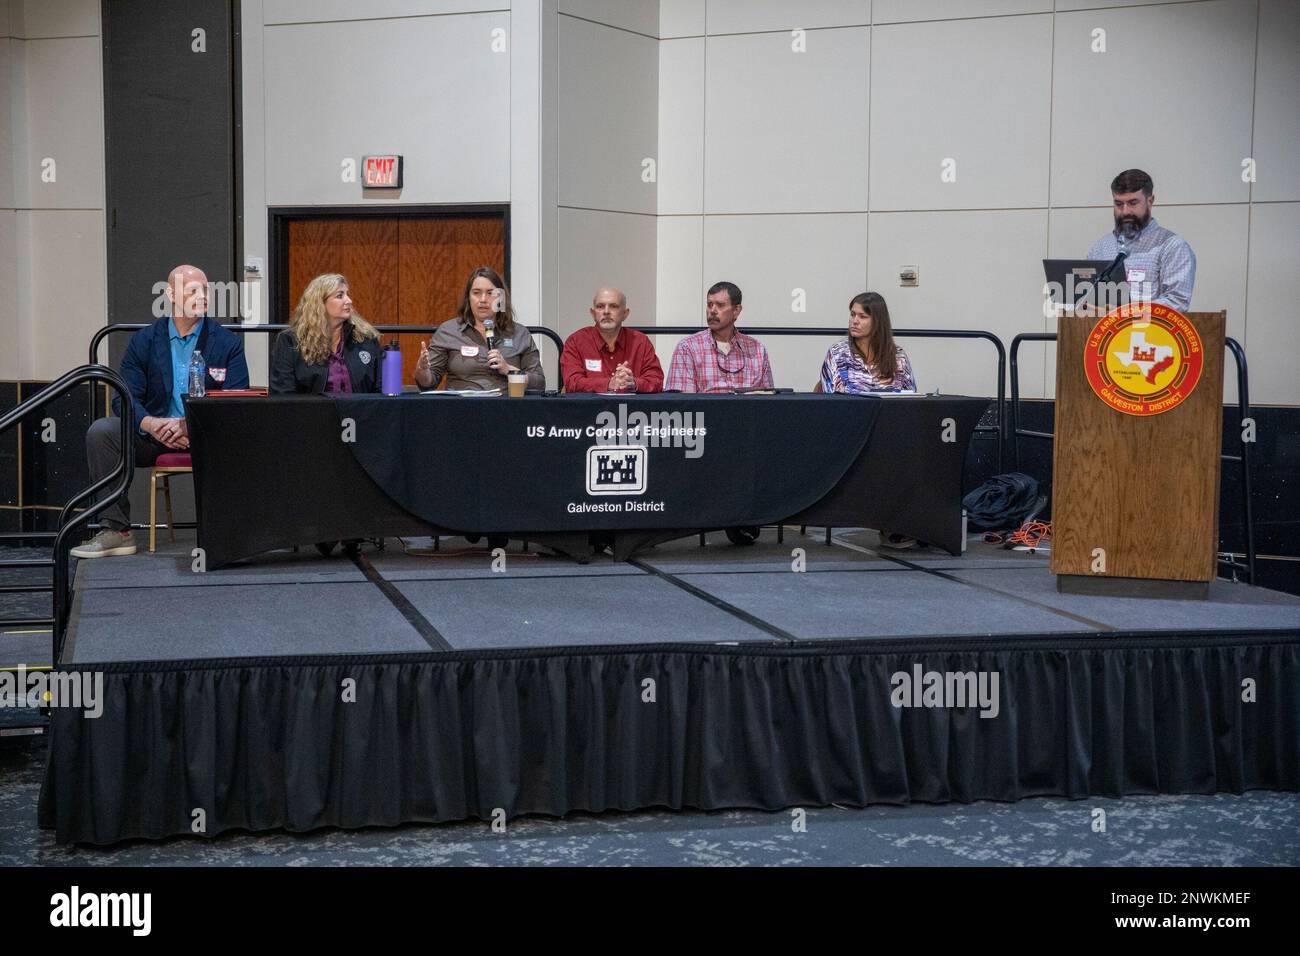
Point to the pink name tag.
(469, 351)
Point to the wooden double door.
(403, 268)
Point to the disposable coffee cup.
(518, 381)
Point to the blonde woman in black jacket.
(329, 349)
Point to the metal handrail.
(1013, 413)
(102, 333)
(266, 329)
(996, 428)
(119, 478)
(1243, 406)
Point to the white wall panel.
(609, 91)
(320, 11)
(752, 16)
(639, 16)
(1064, 5)
(443, 103)
(8, 100)
(1272, 335)
(42, 19)
(903, 11)
(1277, 103)
(978, 270)
(67, 292)
(817, 262)
(62, 125)
(960, 114)
(1171, 94)
(786, 131)
(605, 249)
(679, 296)
(11, 358)
(681, 126)
(681, 18)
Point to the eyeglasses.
(735, 350)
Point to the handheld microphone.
(490, 333)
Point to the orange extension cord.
(1031, 533)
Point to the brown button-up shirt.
(459, 351)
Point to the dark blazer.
(290, 375)
(147, 366)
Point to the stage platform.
(407, 598)
(407, 684)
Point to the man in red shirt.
(605, 357)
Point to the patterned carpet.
(1252, 829)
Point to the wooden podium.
(1139, 428)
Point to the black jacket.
(291, 375)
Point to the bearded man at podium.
(1160, 265)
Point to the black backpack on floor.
(1003, 502)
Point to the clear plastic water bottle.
(198, 375)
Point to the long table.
(276, 472)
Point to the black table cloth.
(279, 471)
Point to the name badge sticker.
(509, 343)
(469, 351)
(593, 365)
(218, 374)
(1137, 275)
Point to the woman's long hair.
(505, 312)
(311, 324)
(879, 350)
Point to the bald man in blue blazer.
(156, 372)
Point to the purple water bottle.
(391, 371)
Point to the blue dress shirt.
(182, 351)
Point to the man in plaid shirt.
(1161, 266)
(720, 358)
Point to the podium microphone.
(1109, 271)
(490, 333)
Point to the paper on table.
(465, 392)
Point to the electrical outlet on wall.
(909, 276)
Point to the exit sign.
(382, 172)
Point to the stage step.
(22, 722)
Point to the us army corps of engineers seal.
(1143, 358)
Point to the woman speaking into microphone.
(479, 347)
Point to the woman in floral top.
(868, 360)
